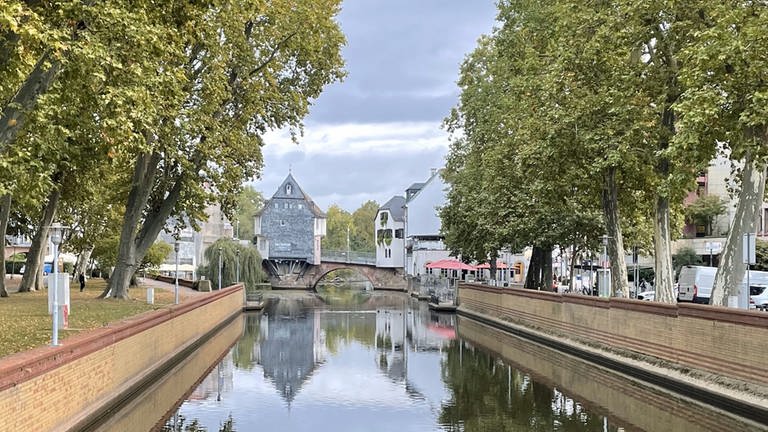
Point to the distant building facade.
(423, 240)
(389, 233)
(289, 228)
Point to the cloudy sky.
(377, 132)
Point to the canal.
(356, 361)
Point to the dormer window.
(288, 189)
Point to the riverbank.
(649, 342)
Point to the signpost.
(748, 252)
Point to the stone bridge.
(380, 278)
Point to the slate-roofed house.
(289, 229)
(389, 233)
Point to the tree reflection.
(486, 394)
(244, 354)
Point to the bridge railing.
(367, 258)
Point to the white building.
(389, 233)
(423, 240)
(192, 244)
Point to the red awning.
(449, 264)
(499, 264)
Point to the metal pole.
(347, 243)
(219, 269)
(176, 285)
(56, 235)
(13, 259)
(710, 255)
(55, 339)
(237, 277)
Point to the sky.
(380, 130)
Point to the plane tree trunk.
(730, 272)
(138, 233)
(613, 228)
(5, 213)
(32, 278)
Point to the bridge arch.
(326, 268)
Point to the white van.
(695, 284)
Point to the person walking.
(81, 279)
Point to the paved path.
(12, 286)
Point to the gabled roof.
(416, 186)
(423, 185)
(296, 192)
(396, 207)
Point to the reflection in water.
(386, 362)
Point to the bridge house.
(289, 229)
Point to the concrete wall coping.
(708, 312)
(20, 367)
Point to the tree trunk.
(492, 264)
(613, 228)
(572, 266)
(662, 243)
(135, 243)
(32, 275)
(730, 272)
(82, 262)
(5, 213)
(546, 268)
(533, 277)
(24, 100)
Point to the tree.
(251, 272)
(249, 201)
(362, 239)
(723, 110)
(705, 211)
(242, 70)
(105, 253)
(761, 255)
(339, 225)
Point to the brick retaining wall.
(54, 388)
(723, 341)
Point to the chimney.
(432, 171)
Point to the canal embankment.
(714, 355)
(67, 386)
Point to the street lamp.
(57, 233)
(237, 252)
(176, 285)
(219, 269)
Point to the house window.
(383, 218)
(288, 189)
(300, 206)
(399, 233)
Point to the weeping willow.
(251, 271)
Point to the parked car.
(647, 295)
(695, 284)
(758, 297)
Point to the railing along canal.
(351, 257)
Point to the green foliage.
(362, 239)
(251, 271)
(338, 226)
(105, 253)
(685, 256)
(705, 210)
(761, 255)
(249, 201)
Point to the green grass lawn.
(25, 323)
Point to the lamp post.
(57, 232)
(237, 277)
(606, 278)
(219, 269)
(176, 285)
